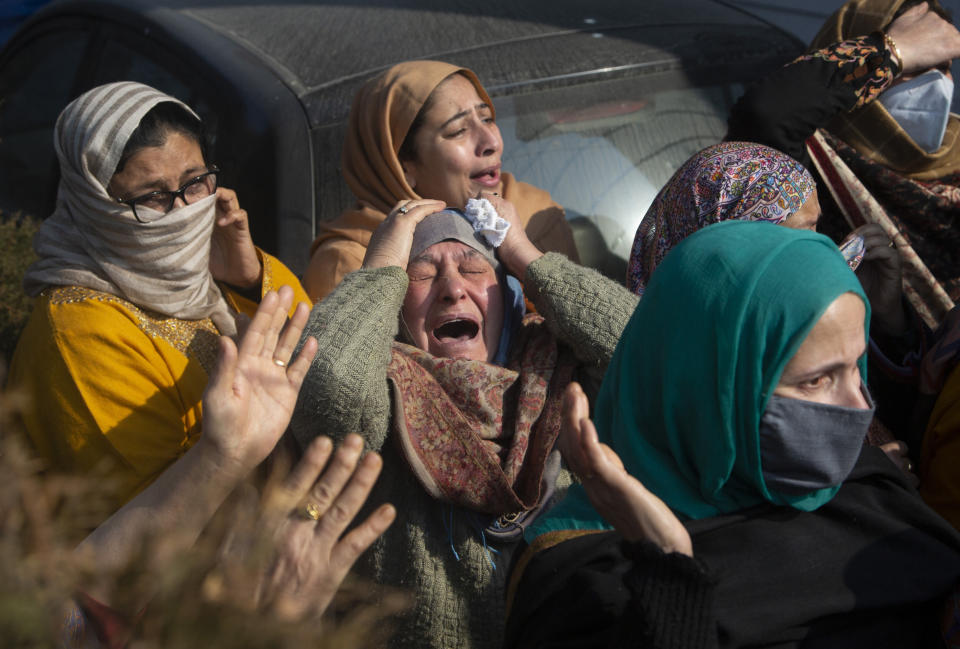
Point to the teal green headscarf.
(682, 399)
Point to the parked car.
(598, 102)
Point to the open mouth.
(489, 176)
(456, 331)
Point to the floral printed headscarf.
(731, 180)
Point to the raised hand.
(620, 498)
(311, 558)
(925, 39)
(233, 259)
(517, 251)
(881, 277)
(251, 393)
(390, 243)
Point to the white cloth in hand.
(481, 213)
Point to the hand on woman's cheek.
(233, 258)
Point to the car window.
(159, 69)
(603, 150)
(38, 81)
(118, 62)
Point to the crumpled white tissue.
(481, 213)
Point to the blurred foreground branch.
(204, 595)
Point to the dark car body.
(572, 82)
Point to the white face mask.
(921, 107)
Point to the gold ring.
(310, 511)
(279, 363)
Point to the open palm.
(252, 393)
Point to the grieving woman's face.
(454, 305)
(159, 168)
(458, 146)
(825, 369)
(807, 217)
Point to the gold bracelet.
(894, 51)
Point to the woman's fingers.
(623, 501)
(328, 576)
(276, 324)
(297, 370)
(924, 38)
(351, 546)
(326, 490)
(602, 461)
(390, 243)
(290, 333)
(297, 484)
(251, 344)
(406, 215)
(351, 498)
(878, 247)
(416, 209)
(574, 409)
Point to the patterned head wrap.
(91, 240)
(730, 180)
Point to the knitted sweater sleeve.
(785, 108)
(346, 388)
(583, 308)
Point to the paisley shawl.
(478, 435)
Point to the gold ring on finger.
(310, 511)
(279, 363)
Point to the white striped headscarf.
(93, 241)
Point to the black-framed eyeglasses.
(157, 204)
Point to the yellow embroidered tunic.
(115, 389)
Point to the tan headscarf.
(870, 130)
(91, 240)
(380, 117)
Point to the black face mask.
(806, 446)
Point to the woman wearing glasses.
(144, 263)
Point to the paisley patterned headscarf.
(731, 180)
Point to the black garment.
(868, 569)
(785, 108)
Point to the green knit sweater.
(459, 602)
